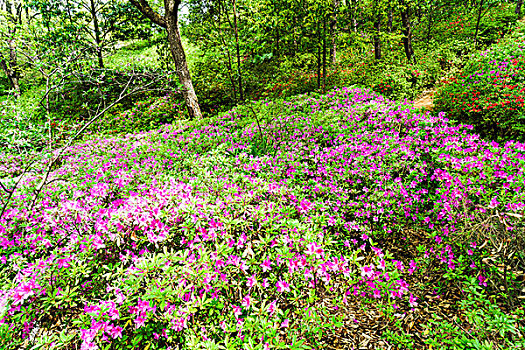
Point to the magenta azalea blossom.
(283, 286)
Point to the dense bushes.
(253, 228)
(441, 42)
(490, 92)
(39, 118)
(22, 133)
(386, 77)
(145, 115)
(92, 89)
(18, 131)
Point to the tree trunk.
(377, 41)
(333, 31)
(407, 31)
(295, 42)
(98, 41)
(477, 24)
(177, 51)
(170, 22)
(318, 56)
(229, 64)
(10, 65)
(324, 54)
(518, 7)
(357, 15)
(390, 20)
(236, 30)
(11, 74)
(429, 28)
(353, 10)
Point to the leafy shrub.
(490, 92)
(144, 115)
(19, 132)
(391, 79)
(401, 83)
(22, 130)
(91, 90)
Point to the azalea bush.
(254, 229)
(490, 92)
(387, 78)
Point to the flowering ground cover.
(263, 227)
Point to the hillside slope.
(321, 221)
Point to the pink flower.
(367, 271)
(236, 310)
(22, 292)
(88, 346)
(240, 324)
(251, 281)
(285, 323)
(412, 300)
(305, 206)
(120, 298)
(87, 335)
(266, 265)
(115, 332)
(283, 286)
(143, 306)
(377, 293)
(140, 321)
(246, 301)
(17, 298)
(494, 203)
(378, 252)
(272, 307)
(482, 280)
(313, 248)
(399, 265)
